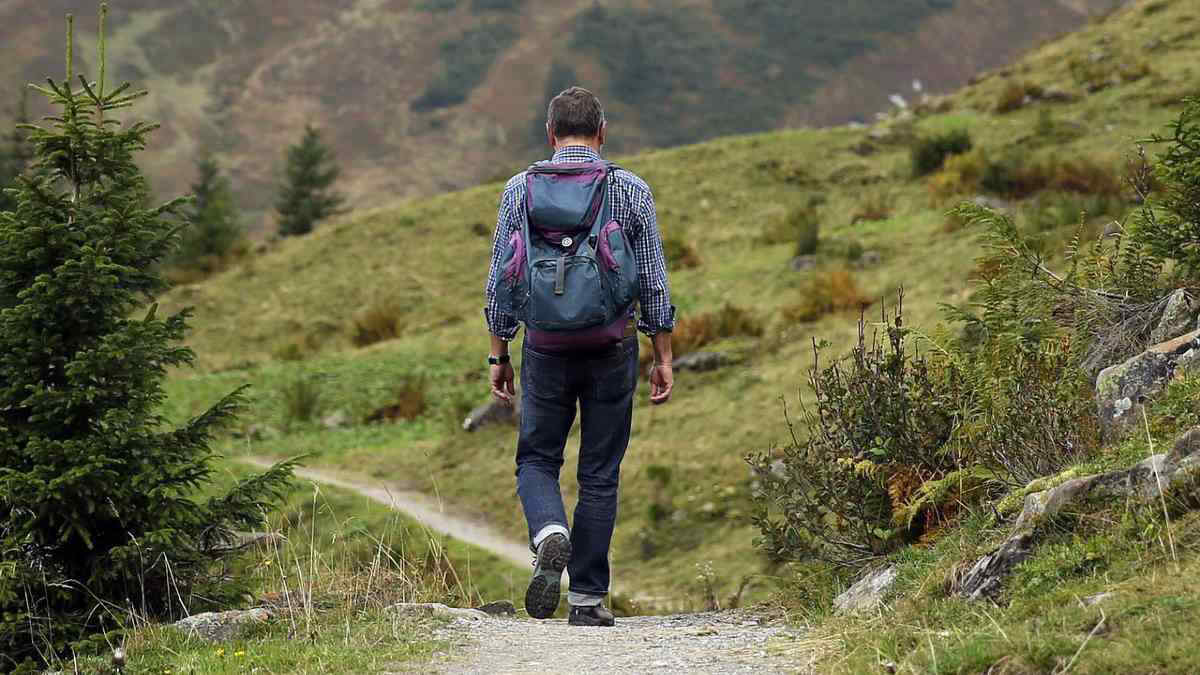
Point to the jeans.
(603, 384)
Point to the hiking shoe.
(593, 615)
(541, 600)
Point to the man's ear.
(600, 138)
(550, 137)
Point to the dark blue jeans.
(603, 384)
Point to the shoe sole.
(590, 622)
(541, 599)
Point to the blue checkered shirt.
(632, 206)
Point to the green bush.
(929, 154)
(464, 65)
(879, 429)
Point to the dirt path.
(716, 642)
(422, 508)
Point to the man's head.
(575, 118)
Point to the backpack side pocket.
(616, 256)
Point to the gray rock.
(501, 608)
(993, 203)
(1097, 598)
(494, 412)
(437, 609)
(868, 259)
(223, 626)
(1056, 95)
(803, 262)
(1147, 480)
(701, 362)
(867, 593)
(1120, 388)
(1178, 316)
(335, 420)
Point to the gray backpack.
(569, 272)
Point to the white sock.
(552, 528)
(583, 599)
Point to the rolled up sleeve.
(657, 312)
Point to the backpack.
(569, 273)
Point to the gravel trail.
(730, 642)
(716, 642)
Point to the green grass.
(720, 197)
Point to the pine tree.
(99, 511)
(213, 226)
(307, 196)
(14, 154)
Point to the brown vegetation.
(833, 289)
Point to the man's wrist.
(499, 359)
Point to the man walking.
(568, 360)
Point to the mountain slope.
(284, 322)
(423, 96)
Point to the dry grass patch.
(833, 289)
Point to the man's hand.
(502, 383)
(662, 380)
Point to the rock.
(1097, 598)
(437, 609)
(335, 420)
(803, 262)
(1121, 387)
(501, 608)
(867, 594)
(868, 259)
(1146, 480)
(261, 432)
(1056, 95)
(701, 362)
(984, 578)
(1178, 316)
(222, 626)
(992, 203)
(493, 412)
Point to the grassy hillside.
(285, 321)
(424, 96)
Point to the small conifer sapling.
(100, 516)
(307, 196)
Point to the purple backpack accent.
(515, 267)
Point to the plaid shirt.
(632, 206)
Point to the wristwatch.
(499, 360)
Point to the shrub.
(680, 254)
(409, 401)
(800, 227)
(875, 205)
(1015, 95)
(301, 399)
(1013, 178)
(379, 322)
(102, 505)
(928, 154)
(833, 289)
(881, 422)
(696, 332)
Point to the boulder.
(867, 593)
(1178, 316)
(494, 412)
(501, 608)
(700, 362)
(335, 420)
(223, 626)
(1144, 481)
(1121, 387)
(437, 609)
(803, 262)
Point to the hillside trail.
(736, 641)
